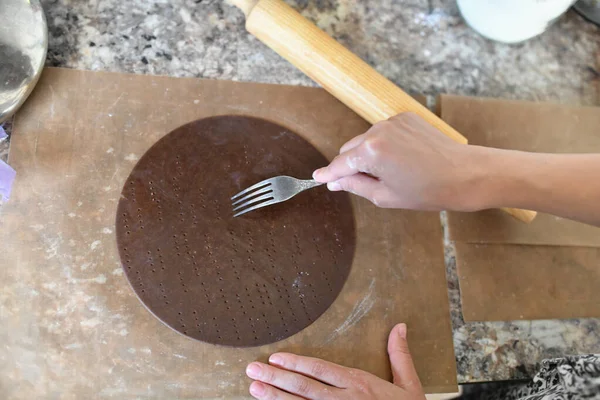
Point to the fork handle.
(305, 184)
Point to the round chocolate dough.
(243, 281)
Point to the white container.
(512, 21)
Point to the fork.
(268, 192)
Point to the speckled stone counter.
(423, 46)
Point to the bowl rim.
(9, 112)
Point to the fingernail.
(253, 370)
(334, 186)
(402, 331)
(257, 389)
(316, 173)
(276, 359)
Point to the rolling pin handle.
(245, 5)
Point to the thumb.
(358, 184)
(403, 369)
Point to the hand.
(289, 377)
(406, 163)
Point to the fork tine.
(258, 185)
(249, 196)
(254, 207)
(254, 200)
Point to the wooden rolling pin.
(338, 70)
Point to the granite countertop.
(423, 46)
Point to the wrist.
(488, 178)
(496, 178)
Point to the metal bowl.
(23, 46)
(589, 9)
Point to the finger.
(343, 165)
(262, 391)
(324, 371)
(403, 368)
(291, 382)
(359, 184)
(352, 143)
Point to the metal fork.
(270, 191)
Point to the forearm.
(567, 185)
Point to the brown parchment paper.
(509, 270)
(70, 322)
(501, 282)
